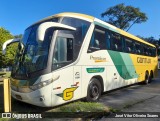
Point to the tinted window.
(105, 39)
(81, 30)
(116, 41)
(149, 51)
(137, 48)
(98, 41)
(129, 46)
(68, 43)
(63, 50)
(153, 53)
(33, 54)
(145, 50)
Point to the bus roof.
(96, 21)
(69, 14)
(77, 15)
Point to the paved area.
(131, 95)
(136, 98)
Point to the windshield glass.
(32, 55)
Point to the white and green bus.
(69, 56)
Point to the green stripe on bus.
(129, 64)
(123, 64)
(95, 70)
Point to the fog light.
(41, 99)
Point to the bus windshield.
(33, 55)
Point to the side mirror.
(8, 42)
(44, 26)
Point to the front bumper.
(39, 97)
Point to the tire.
(150, 77)
(146, 81)
(94, 90)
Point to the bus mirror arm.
(8, 42)
(44, 26)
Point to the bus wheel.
(94, 90)
(150, 76)
(146, 81)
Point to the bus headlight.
(41, 84)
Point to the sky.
(17, 15)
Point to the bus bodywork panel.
(114, 73)
(22, 91)
(66, 86)
(143, 64)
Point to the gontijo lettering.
(143, 60)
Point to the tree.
(18, 36)
(124, 17)
(8, 58)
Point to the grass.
(80, 110)
(82, 107)
(72, 110)
(113, 110)
(5, 119)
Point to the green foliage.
(8, 58)
(82, 107)
(18, 36)
(124, 17)
(113, 110)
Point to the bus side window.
(116, 42)
(63, 50)
(129, 46)
(97, 41)
(149, 51)
(145, 50)
(108, 38)
(142, 48)
(137, 48)
(153, 52)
